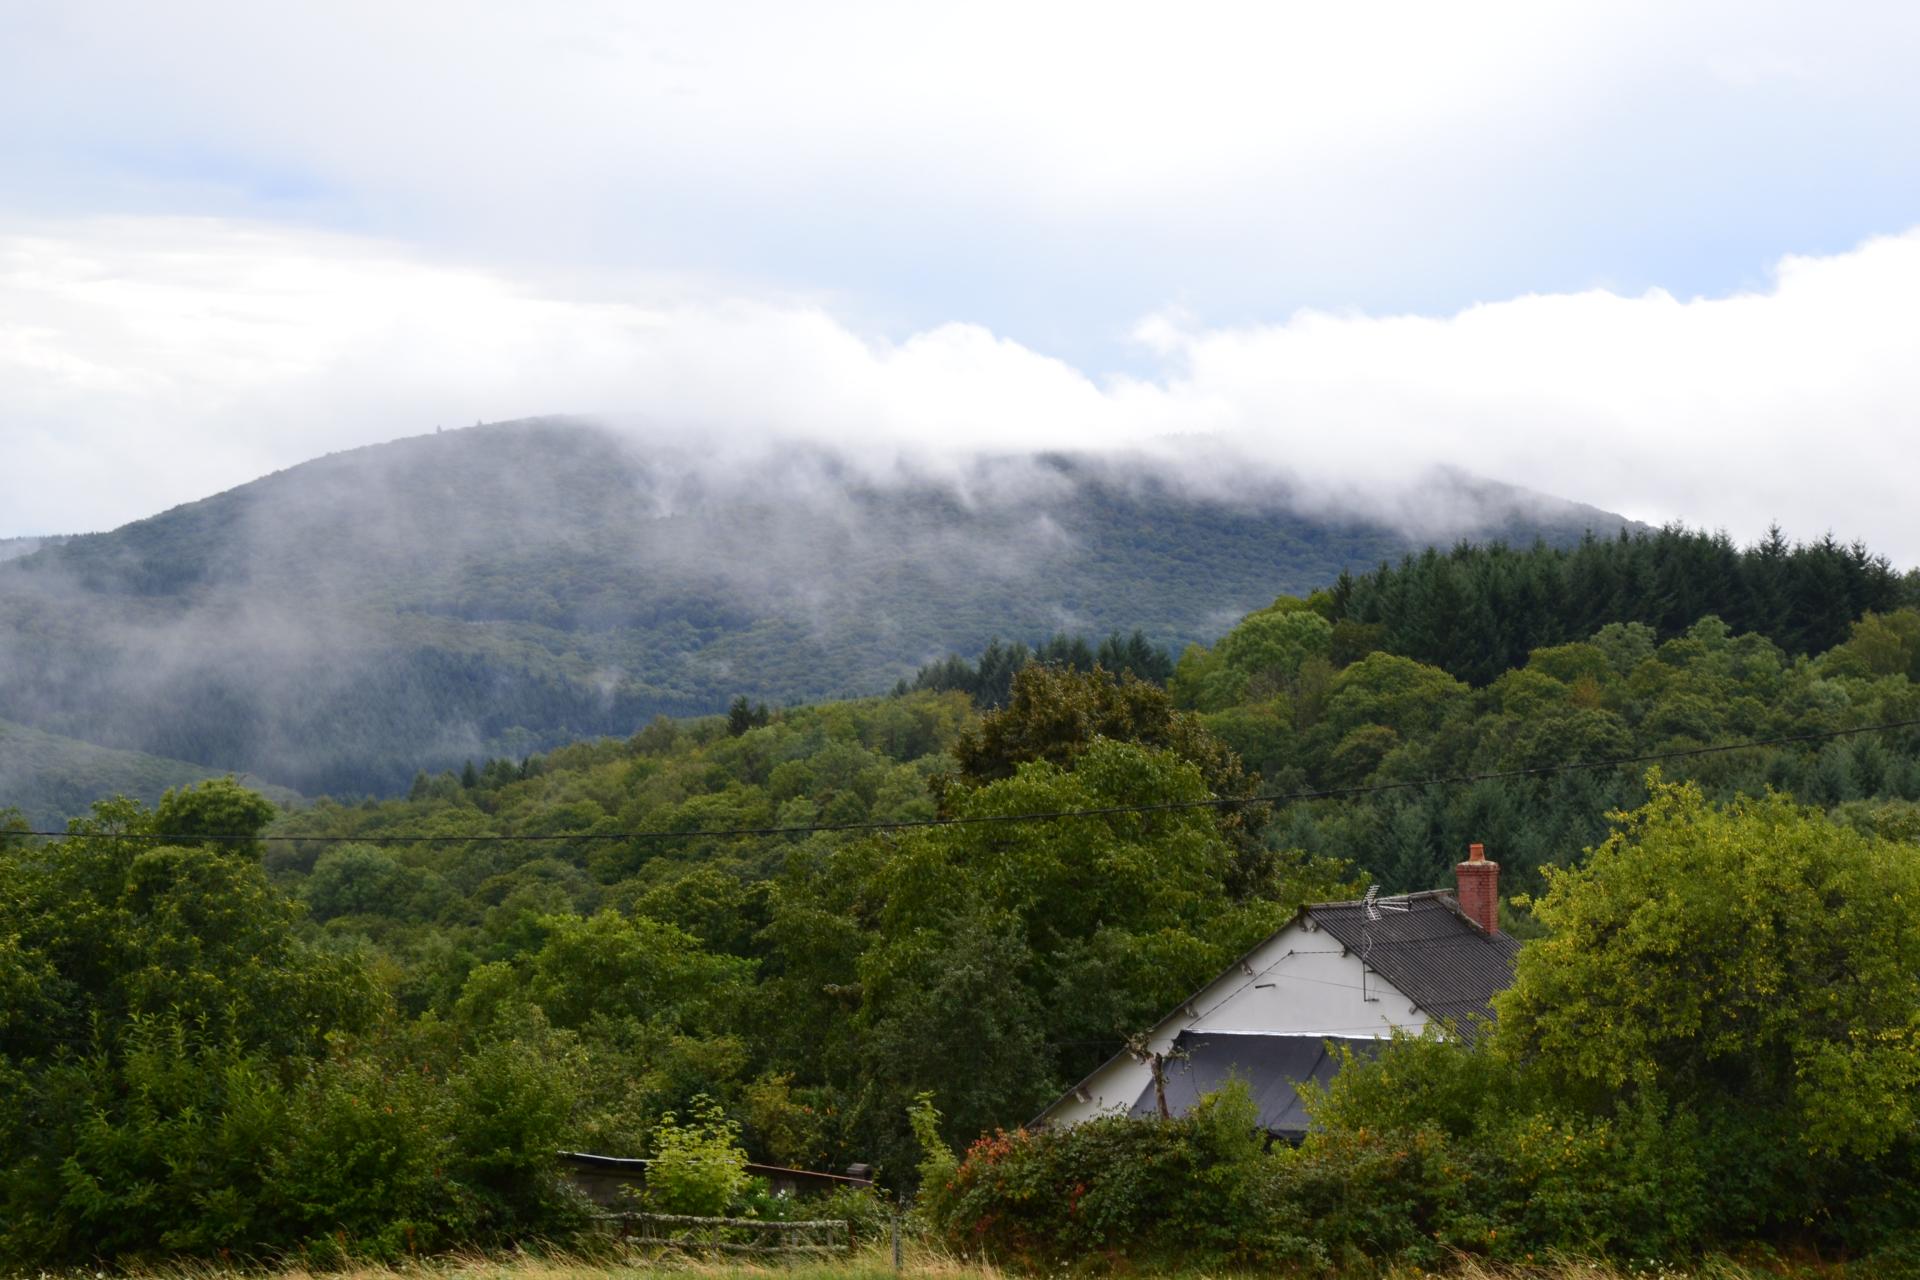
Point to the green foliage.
(1381, 1181)
(992, 963)
(120, 930)
(1440, 1145)
(1710, 1046)
(698, 1166)
(1274, 642)
(1055, 714)
(742, 716)
(1384, 690)
(1712, 1043)
(1386, 720)
(189, 1146)
(1753, 966)
(184, 1072)
(937, 1161)
(813, 986)
(989, 681)
(50, 778)
(1478, 611)
(180, 1041)
(1190, 1192)
(1881, 645)
(1262, 657)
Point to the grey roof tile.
(1444, 962)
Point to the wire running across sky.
(963, 820)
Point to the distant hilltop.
(495, 590)
(14, 548)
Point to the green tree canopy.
(1753, 960)
(1399, 693)
(1055, 714)
(219, 813)
(992, 963)
(119, 930)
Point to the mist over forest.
(493, 591)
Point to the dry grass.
(876, 1263)
(872, 1263)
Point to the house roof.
(1440, 959)
(1431, 952)
(1271, 1066)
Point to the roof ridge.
(1361, 902)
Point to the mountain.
(493, 591)
(14, 548)
(50, 778)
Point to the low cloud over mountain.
(499, 589)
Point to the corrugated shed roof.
(636, 1167)
(1271, 1066)
(1442, 960)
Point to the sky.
(1659, 258)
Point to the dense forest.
(1480, 610)
(365, 1026)
(506, 589)
(1311, 710)
(988, 679)
(49, 779)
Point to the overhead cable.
(963, 820)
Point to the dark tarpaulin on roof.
(1270, 1065)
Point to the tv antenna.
(1375, 904)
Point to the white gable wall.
(1301, 981)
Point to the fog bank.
(196, 354)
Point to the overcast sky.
(1661, 258)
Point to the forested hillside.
(600, 945)
(613, 819)
(14, 548)
(1480, 609)
(505, 589)
(1271, 689)
(50, 779)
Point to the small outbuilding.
(608, 1180)
(1339, 974)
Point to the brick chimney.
(1479, 890)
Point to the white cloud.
(148, 362)
(1024, 103)
(1799, 403)
(1035, 166)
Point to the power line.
(1051, 815)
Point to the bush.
(698, 1166)
(1191, 1191)
(1434, 1149)
(1481, 1154)
(182, 1145)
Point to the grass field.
(920, 1264)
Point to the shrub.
(1478, 1152)
(185, 1145)
(698, 1166)
(1194, 1190)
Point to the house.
(1339, 974)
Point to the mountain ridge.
(340, 624)
(50, 778)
